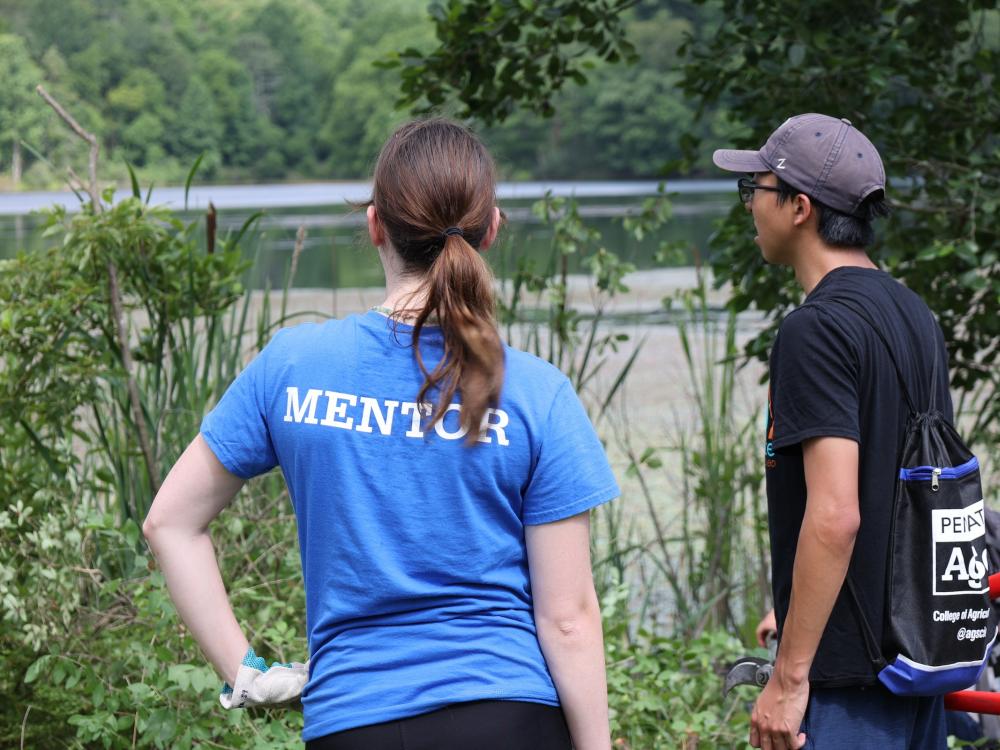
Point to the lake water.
(337, 254)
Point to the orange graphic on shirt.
(770, 415)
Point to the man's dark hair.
(838, 229)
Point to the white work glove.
(260, 685)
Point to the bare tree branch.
(95, 146)
(75, 183)
(115, 293)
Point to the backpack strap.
(871, 645)
(863, 314)
(934, 370)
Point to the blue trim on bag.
(947, 472)
(907, 678)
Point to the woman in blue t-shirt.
(441, 482)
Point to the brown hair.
(431, 176)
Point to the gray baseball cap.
(826, 158)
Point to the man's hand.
(777, 716)
(259, 685)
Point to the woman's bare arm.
(568, 620)
(195, 491)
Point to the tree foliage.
(21, 113)
(495, 55)
(919, 77)
(625, 121)
(88, 656)
(249, 84)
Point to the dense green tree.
(302, 41)
(198, 128)
(624, 122)
(159, 37)
(21, 112)
(496, 55)
(362, 110)
(231, 89)
(287, 89)
(919, 77)
(138, 114)
(71, 21)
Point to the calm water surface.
(337, 254)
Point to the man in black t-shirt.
(836, 420)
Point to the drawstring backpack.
(939, 625)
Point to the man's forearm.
(195, 584)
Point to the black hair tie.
(452, 231)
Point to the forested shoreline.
(287, 90)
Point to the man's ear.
(491, 234)
(375, 230)
(802, 209)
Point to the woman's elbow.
(565, 628)
(570, 623)
(156, 525)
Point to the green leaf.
(36, 667)
(135, 182)
(190, 178)
(251, 220)
(180, 675)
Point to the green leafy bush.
(92, 659)
(666, 692)
(90, 649)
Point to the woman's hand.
(257, 684)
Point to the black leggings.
(482, 725)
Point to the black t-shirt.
(831, 376)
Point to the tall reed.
(698, 560)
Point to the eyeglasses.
(746, 186)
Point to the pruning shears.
(753, 670)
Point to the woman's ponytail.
(435, 194)
(460, 296)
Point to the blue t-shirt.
(412, 544)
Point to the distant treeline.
(288, 89)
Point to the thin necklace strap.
(398, 316)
